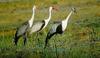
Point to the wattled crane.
(38, 26)
(58, 28)
(22, 30)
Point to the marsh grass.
(80, 40)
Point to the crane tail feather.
(16, 38)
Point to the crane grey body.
(58, 28)
(22, 30)
(37, 26)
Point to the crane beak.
(74, 10)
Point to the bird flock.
(35, 27)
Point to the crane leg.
(46, 42)
(38, 39)
(25, 38)
(16, 39)
(36, 36)
(55, 47)
(47, 39)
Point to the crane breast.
(64, 25)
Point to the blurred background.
(80, 40)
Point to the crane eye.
(55, 9)
(74, 10)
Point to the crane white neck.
(32, 18)
(67, 18)
(49, 15)
(65, 22)
(47, 20)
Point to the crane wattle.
(30, 23)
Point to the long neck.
(49, 15)
(68, 16)
(32, 18)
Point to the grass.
(80, 40)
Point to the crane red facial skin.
(55, 9)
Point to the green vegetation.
(80, 40)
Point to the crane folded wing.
(36, 27)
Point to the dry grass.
(83, 27)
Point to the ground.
(80, 40)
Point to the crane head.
(51, 8)
(74, 10)
(54, 8)
(34, 7)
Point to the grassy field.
(80, 40)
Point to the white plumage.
(31, 20)
(65, 22)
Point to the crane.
(58, 28)
(22, 30)
(39, 26)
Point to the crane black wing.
(54, 28)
